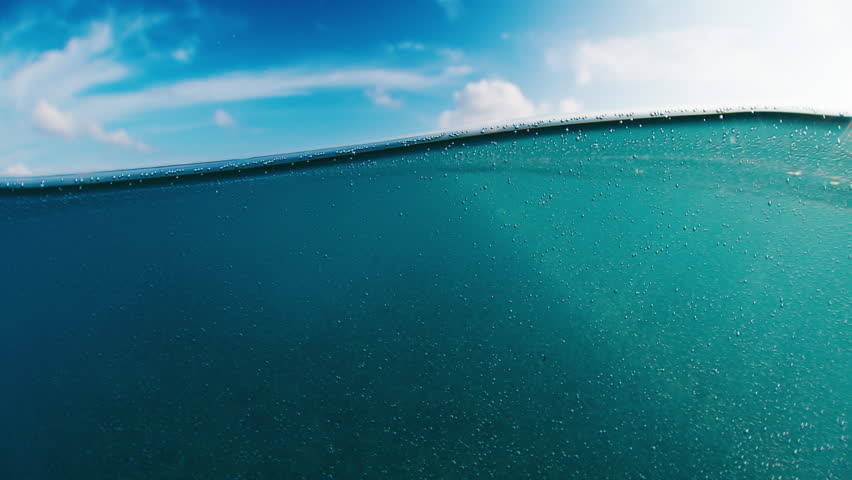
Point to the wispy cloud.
(60, 77)
(254, 85)
(57, 90)
(415, 46)
(454, 55)
(60, 74)
(452, 8)
(52, 120)
(223, 119)
(118, 137)
(85, 62)
(380, 96)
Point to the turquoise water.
(657, 298)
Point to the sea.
(628, 297)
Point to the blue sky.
(87, 86)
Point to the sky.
(88, 86)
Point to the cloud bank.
(789, 55)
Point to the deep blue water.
(663, 298)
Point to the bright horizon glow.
(87, 88)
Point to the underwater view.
(629, 297)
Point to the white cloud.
(569, 105)
(118, 137)
(492, 101)
(380, 96)
(186, 51)
(223, 118)
(17, 170)
(452, 8)
(484, 102)
(183, 54)
(52, 120)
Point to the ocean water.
(639, 298)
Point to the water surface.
(658, 298)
